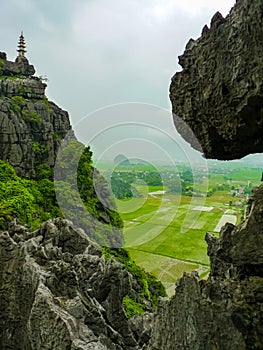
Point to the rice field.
(165, 233)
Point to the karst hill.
(59, 290)
(31, 126)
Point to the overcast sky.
(100, 52)
(97, 53)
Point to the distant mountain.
(120, 159)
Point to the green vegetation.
(33, 201)
(96, 212)
(39, 149)
(131, 307)
(47, 104)
(14, 77)
(5, 215)
(17, 103)
(21, 87)
(164, 231)
(31, 116)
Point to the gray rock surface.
(57, 291)
(219, 92)
(31, 127)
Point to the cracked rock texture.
(219, 92)
(31, 127)
(57, 291)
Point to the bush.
(17, 103)
(131, 307)
(31, 116)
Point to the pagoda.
(21, 49)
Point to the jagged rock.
(219, 92)
(9, 68)
(31, 127)
(57, 291)
(225, 311)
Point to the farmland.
(164, 227)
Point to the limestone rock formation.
(219, 92)
(31, 127)
(58, 292)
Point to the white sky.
(100, 52)
(97, 53)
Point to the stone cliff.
(31, 127)
(59, 289)
(58, 292)
(219, 95)
(219, 92)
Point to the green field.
(165, 235)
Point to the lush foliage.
(131, 307)
(31, 201)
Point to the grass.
(166, 269)
(172, 228)
(165, 236)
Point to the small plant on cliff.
(131, 307)
(47, 104)
(5, 215)
(17, 103)
(31, 116)
(39, 149)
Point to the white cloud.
(164, 8)
(100, 52)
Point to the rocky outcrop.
(219, 92)
(31, 127)
(58, 291)
(225, 311)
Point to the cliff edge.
(31, 127)
(219, 92)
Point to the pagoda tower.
(21, 49)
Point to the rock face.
(225, 311)
(219, 92)
(31, 127)
(57, 291)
